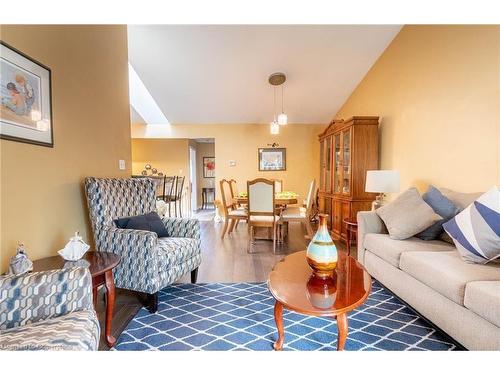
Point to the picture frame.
(272, 159)
(25, 98)
(208, 167)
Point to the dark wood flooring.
(223, 261)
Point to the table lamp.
(381, 181)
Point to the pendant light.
(277, 79)
(282, 117)
(275, 127)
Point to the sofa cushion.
(476, 230)
(483, 297)
(407, 215)
(176, 250)
(390, 250)
(446, 272)
(78, 330)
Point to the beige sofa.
(462, 299)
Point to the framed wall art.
(209, 167)
(272, 159)
(25, 98)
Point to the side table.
(101, 266)
(204, 195)
(351, 225)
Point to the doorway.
(192, 179)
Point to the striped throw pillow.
(476, 230)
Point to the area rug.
(240, 316)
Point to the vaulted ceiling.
(218, 74)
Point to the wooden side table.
(204, 195)
(351, 224)
(101, 266)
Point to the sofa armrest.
(37, 296)
(178, 227)
(368, 222)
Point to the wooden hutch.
(348, 149)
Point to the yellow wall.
(437, 90)
(240, 143)
(42, 199)
(170, 156)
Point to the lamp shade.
(383, 181)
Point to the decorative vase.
(322, 292)
(321, 252)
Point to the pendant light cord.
(274, 106)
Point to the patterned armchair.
(50, 310)
(148, 263)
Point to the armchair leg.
(194, 275)
(152, 302)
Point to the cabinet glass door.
(328, 167)
(346, 162)
(322, 165)
(337, 170)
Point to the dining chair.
(170, 182)
(261, 209)
(231, 214)
(300, 214)
(177, 196)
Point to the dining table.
(281, 199)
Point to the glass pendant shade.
(275, 128)
(282, 119)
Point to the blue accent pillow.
(150, 222)
(443, 207)
(476, 230)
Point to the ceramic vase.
(321, 252)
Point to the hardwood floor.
(223, 261)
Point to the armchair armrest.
(368, 222)
(37, 296)
(178, 227)
(139, 267)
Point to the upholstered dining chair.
(148, 263)
(300, 214)
(231, 214)
(261, 209)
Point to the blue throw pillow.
(150, 222)
(443, 207)
(476, 230)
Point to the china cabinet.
(348, 149)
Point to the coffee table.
(101, 266)
(293, 286)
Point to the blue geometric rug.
(240, 317)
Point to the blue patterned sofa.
(50, 310)
(148, 263)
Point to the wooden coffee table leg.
(342, 328)
(278, 318)
(110, 290)
(94, 296)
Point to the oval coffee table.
(293, 286)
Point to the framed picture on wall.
(209, 167)
(25, 98)
(272, 159)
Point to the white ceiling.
(218, 74)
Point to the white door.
(192, 179)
